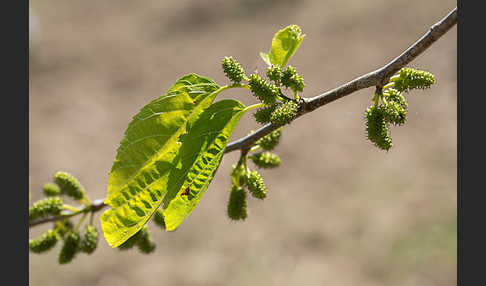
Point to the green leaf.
(265, 58)
(149, 153)
(284, 44)
(207, 141)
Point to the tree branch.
(375, 78)
(95, 206)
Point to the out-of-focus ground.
(339, 211)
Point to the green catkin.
(69, 185)
(264, 91)
(145, 243)
(291, 79)
(395, 107)
(51, 189)
(45, 207)
(64, 227)
(274, 73)
(237, 208)
(266, 160)
(238, 174)
(263, 115)
(159, 218)
(408, 78)
(285, 113)
(397, 96)
(129, 243)
(256, 186)
(90, 239)
(268, 142)
(377, 127)
(70, 247)
(45, 242)
(233, 70)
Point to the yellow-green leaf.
(149, 154)
(265, 58)
(207, 140)
(284, 44)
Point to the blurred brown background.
(339, 211)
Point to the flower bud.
(233, 70)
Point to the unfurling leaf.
(284, 44)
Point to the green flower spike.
(408, 78)
(45, 207)
(291, 79)
(129, 243)
(285, 113)
(70, 247)
(377, 127)
(239, 175)
(264, 91)
(64, 227)
(263, 115)
(90, 239)
(274, 73)
(256, 186)
(268, 142)
(395, 107)
(237, 208)
(145, 243)
(51, 189)
(266, 160)
(69, 185)
(45, 242)
(233, 70)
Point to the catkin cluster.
(73, 241)
(244, 179)
(278, 109)
(45, 207)
(393, 106)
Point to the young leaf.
(205, 143)
(284, 44)
(149, 153)
(265, 58)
